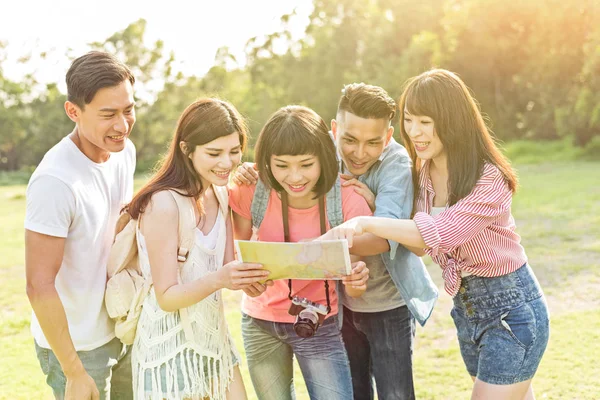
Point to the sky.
(193, 29)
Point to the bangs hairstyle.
(293, 131)
(202, 122)
(443, 96)
(94, 71)
(366, 101)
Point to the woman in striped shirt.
(463, 189)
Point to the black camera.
(309, 316)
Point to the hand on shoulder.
(246, 174)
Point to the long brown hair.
(202, 122)
(443, 96)
(296, 130)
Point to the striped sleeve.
(490, 198)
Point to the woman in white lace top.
(183, 349)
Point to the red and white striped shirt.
(476, 235)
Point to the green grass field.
(558, 216)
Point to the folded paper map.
(303, 260)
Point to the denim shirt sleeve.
(392, 185)
(393, 192)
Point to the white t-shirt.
(71, 196)
(382, 294)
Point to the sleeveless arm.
(159, 225)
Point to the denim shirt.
(390, 180)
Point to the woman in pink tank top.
(296, 160)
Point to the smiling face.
(421, 131)
(298, 176)
(104, 124)
(360, 141)
(215, 160)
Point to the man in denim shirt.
(378, 327)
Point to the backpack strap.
(333, 201)
(123, 252)
(187, 224)
(187, 218)
(333, 204)
(222, 195)
(335, 216)
(259, 204)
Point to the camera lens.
(306, 323)
(304, 330)
(309, 315)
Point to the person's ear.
(185, 149)
(389, 135)
(73, 111)
(334, 128)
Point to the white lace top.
(165, 364)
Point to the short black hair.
(296, 130)
(94, 71)
(367, 101)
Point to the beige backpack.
(126, 288)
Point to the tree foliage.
(534, 66)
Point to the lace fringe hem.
(189, 375)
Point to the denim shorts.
(502, 325)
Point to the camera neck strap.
(284, 213)
(286, 235)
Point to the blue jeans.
(270, 347)
(380, 347)
(109, 366)
(502, 325)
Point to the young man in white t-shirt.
(73, 201)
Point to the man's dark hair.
(367, 101)
(94, 71)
